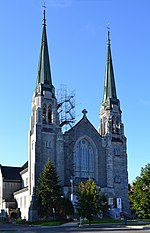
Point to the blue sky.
(77, 37)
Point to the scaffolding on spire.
(66, 107)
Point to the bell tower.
(112, 131)
(45, 139)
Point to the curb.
(139, 227)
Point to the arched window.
(49, 116)
(84, 159)
(117, 125)
(103, 126)
(113, 125)
(44, 114)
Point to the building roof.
(24, 166)
(22, 190)
(11, 173)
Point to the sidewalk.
(71, 224)
(110, 225)
(139, 225)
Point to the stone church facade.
(78, 153)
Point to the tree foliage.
(89, 200)
(48, 191)
(64, 209)
(139, 193)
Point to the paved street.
(70, 229)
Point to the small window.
(44, 114)
(49, 116)
(47, 144)
(27, 181)
(117, 127)
(117, 179)
(24, 201)
(117, 151)
(20, 202)
(113, 125)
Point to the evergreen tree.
(64, 209)
(89, 200)
(48, 191)
(139, 193)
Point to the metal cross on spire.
(108, 28)
(44, 18)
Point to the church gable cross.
(84, 112)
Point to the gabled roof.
(24, 166)
(84, 119)
(11, 173)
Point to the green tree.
(64, 209)
(89, 200)
(139, 193)
(48, 191)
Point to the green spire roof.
(44, 72)
(109, 85)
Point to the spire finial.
(108, 28)
(44, 18)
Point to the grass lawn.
(40, 222)
(47, 223)
(129, 221)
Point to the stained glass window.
(84, 159)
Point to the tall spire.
(109, 84)
(44, 72)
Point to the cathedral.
(77, 154)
